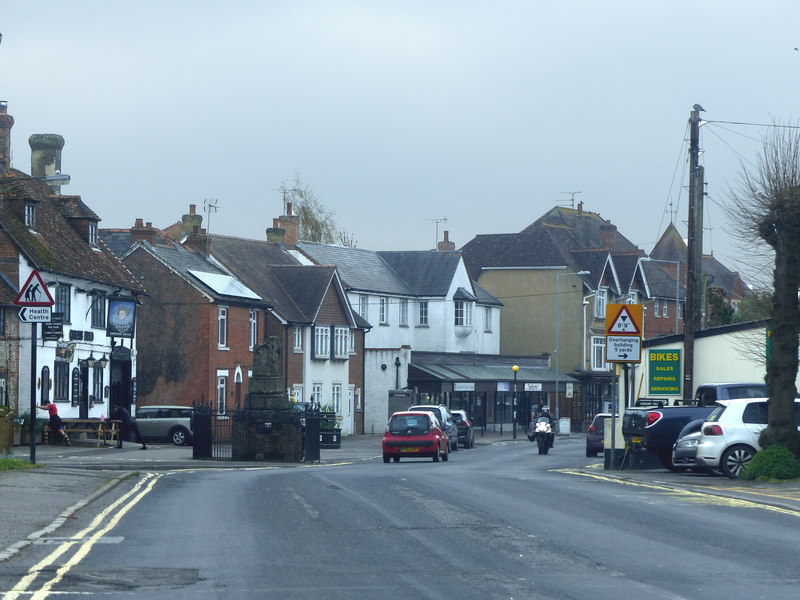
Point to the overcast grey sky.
(398, 113)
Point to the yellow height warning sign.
(624, 319)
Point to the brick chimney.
(445, 245)
(144, 233)
(6, 123)
(276, 234)
(46, 155)
(608, 234)
(192, 222)
(290, 224)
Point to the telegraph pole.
(692, 314)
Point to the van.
(165, 423)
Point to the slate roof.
(427, 273)
(57, 247)
(660, 283)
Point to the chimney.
(192, 222)
(445, 245)
(46, 155)
(145, 233)
(608, 235)
(580, 207)
(6, 123)
(290, 224)
(276, 234)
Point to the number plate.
(410, 449)
(637, 439)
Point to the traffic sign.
(623, 348)
(624, 319)
(34, 293)
(35, 314)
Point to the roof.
(484, 367)
(56, 246)
(427, 273)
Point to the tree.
(766, 209)
(317, 223)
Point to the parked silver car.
(165, 423)
(441, 411)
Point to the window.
(423, 312)
(340, 337)
(363, 303)
(351, 342)
(404, 313)
(253, 328)
(316, 393)
(30, 215)
(93, 234)
(598, 357)
(664, 310)
(298, 339)
(97, 382)
(98, 311)
(383, 311)
(655, 308)
(222, 384)
(60, 381)
(633, 298)
(336, 397)
(487, 319)
(2, 324)
(62, 304)
(463, 313)
(600, 303)
(222, 322)
(322, 342)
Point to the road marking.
(83, 540)
(692, 495)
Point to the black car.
(594, 437)
(466, 434)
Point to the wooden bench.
(104, 431)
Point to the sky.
(401, 114)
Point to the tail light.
(712, 430)
(592, 429)
(652, 418)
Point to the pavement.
(37, 501)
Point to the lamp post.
(677, 264)
(558, 277)
(515, 368)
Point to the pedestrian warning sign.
(34, 292)
(624, 319)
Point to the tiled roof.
(56, 246)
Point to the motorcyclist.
(545, 412)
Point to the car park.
(414, 434)
(446, 419)
(165, 423)
(594, 435)
(466, 433)
(729, 437)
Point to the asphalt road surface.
(497, 521)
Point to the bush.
(773, 462)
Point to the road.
(498, 521)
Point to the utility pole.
(694, 274)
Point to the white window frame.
(336, 397)
(487, 319)
(463, 313)
(253, 328)
(222, 327)
(403, 312)
(351, 342)
(322, 342)
(600, 300)
(363, 306)
(298, 338)
(383, 310)
(93, 234)
(598, 353)
(665, 309)
(633, 298)
(340, 342)
(655, 308)
(30, 216)
(316, 391)
(222, 391)
(423, 313)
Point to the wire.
(772, 125)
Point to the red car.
(415, 434)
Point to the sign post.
(34, 294)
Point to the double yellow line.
(84, 540)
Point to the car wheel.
(589, 454)
(179, 436)
(446, 456)
(735, 459)
(454, 446)
(436, 456)
(714, 472)
(386, 458)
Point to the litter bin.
(201, 433)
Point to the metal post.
(33, 394)
(514, 404)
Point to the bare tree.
(766, 209)
(317, 223)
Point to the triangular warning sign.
(34, 292)
(624, 323)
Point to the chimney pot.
(192, 209)
(139, 223)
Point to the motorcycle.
(543, 434)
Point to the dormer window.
(93, 234)
(30, 215)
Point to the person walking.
(127, 423)
(54, 424)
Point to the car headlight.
(687, 443)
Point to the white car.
(729, 437)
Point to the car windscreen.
(716, 413)
(409, 424)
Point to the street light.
(515, 368)
(559, 275)
(677, 264)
